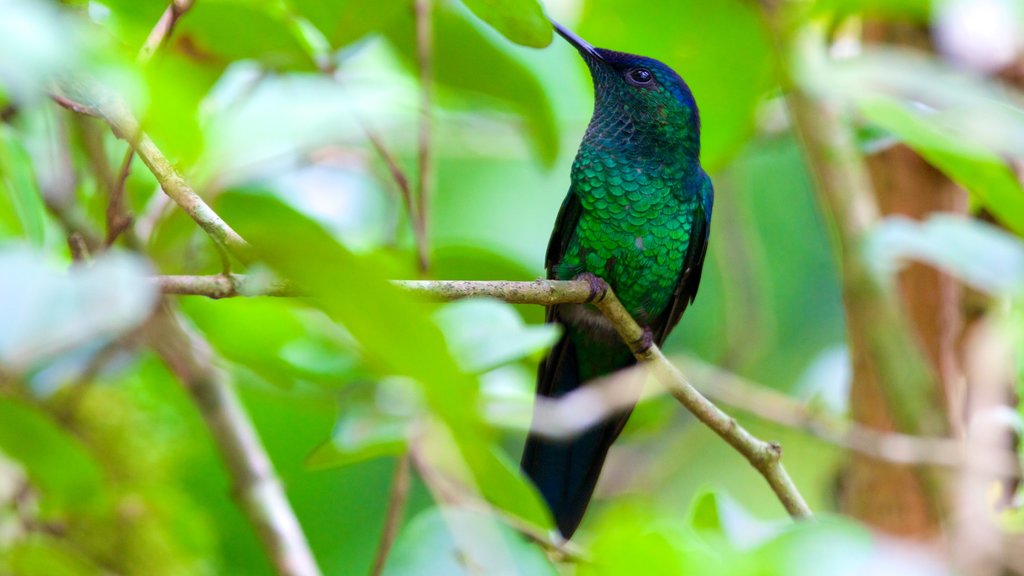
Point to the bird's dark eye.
(640, 76)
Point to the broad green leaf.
(278, 339)
(721, 49)
(394, 332)
(345, 21)
(484, 334)
(977, 253)
(62, 468)
(467, 62)
(20, 192)
(48, 311)
(521, 21)
(222, 31)
(446, 540)
(979, 170)
(391, 328)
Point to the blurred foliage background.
(302, 123)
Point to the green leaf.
(394, 332)
(392, 329)
(704, 515)
(979, 170)
(446, 540)
(46, 556)
(721, 49)
(67, 475)
(345, 21)
(521, 21)
(980, 254)
(485, 333)
(19, 187)
(467, 62)
(278, 339)
(48, 311)
(228, 30)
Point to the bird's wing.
(693, 264)
(565, 228)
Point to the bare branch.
(396, 508)
(161, 33)
(425, 55)
(256, 486)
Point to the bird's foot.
(597, 286)
(644, 343)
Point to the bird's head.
(638, 96)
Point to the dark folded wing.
(693, 265)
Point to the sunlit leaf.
(521, 21)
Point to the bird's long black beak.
(580, 44)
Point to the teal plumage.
(637, 215)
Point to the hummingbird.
(637, 215)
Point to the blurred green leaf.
(44, 556)
(446, 541)
(468, 62)
(977, 169)
(278, 339)
(916, 9)
(345, 21)
(225, 30)
(521, 21)
(975, 252)
(704, 515)
(630, 539)
(721, 49)
(485, 333)
(47, 311)
(19, 186)
(56, 463)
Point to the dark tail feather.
(566, 470)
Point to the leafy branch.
(765, 457)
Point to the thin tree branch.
(256, 486)
(396, 508)
(425, 57)
(765, 457)
(161, 33)
(126, 127)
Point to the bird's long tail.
(566, 470)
